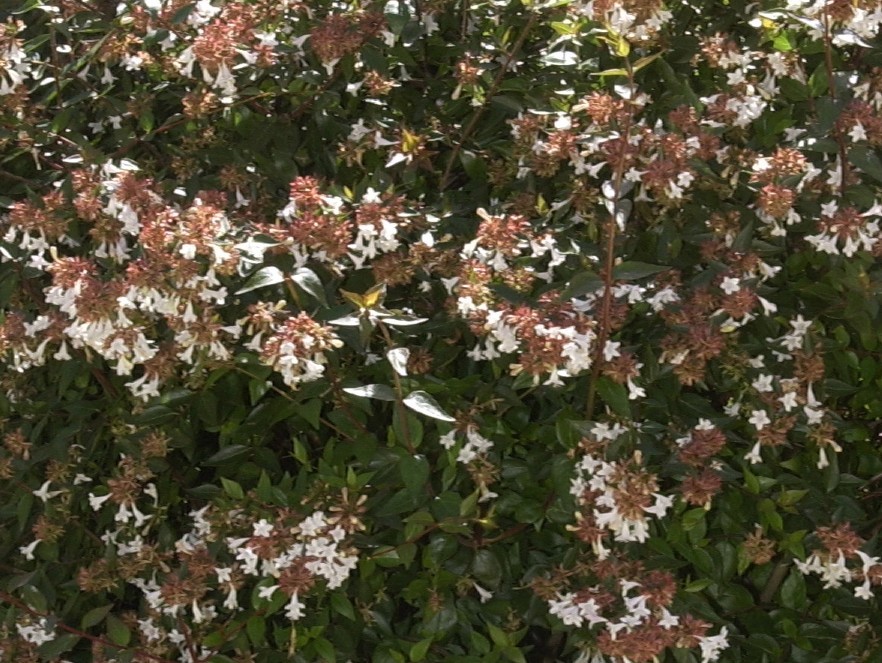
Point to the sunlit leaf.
(420, 401)
(309, 281)
(379, 391)
(398, 358)
(263, 277)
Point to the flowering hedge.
(434, 330)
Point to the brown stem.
(106, 385)
(774, 582)
(188, 639)
(507, 534)
(470, 127)
(306, 105)
(168, 126)
(53, 42)
(399, 391)
(831, 85)
(15, 178)
(828, 56)
(11, 600)
(464, 21)
(344, 406)
(279, 391)
(289, 286)
(413, 539)
(610, 256)
(520, 527)
(339, 432)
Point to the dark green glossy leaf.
(263, 277)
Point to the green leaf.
(414, 472)
(227, 455)
(867, 160)
(387, 557)
(325, 649)
(417, 523)
(794, 90)
(52, 650)
(611, 72)
(403, 500)
(692, 518)
(263, 277)
(232, 488)
(480, 644)
(499, 637)
(439, 621)
(836, 388)
(265, 487)
(679, 84)
(791, 497)
(300, 451)
(793, 591)
(419, 650)
(94, 616)
(420, 401)
(205, 491)
(310, 282)
(582, 284)
(311, 411)
(146, 121)
(117, 631)
(256, 629)
(486, 568)
(183, 13)
(698, 585)
(751, 482)
(35, 598)
(342, 605)
(818, 81)
(514, 654)
(631, 270)
(615, 395)
(783, 41)
(257, 389)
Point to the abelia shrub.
(426, 330)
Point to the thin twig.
(609, 258)
(831, 85)
(15, 178)
(470, 127)
(774, 582)
(11, 600)
(400, 408)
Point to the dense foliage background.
(440, 330)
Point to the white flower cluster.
(596, 474)
(794, 394)
(635, 612)
(15, 65)
(37, 633)
(622, 22)
(834, 571)
(318, 551)
(475, 445)
(862, 24)
(575, 612)
(836, 239)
